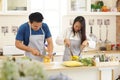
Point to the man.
(32, 35)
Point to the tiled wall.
(11, 22)
(68, 19)
(112, 27)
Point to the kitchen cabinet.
(14, 7)
(83, 7)
(1, 6)
(82, 73)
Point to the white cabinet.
(14, 7)
(77, 6)
(83, 7)
(1, 5)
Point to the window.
(52, 10)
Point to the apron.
(37, 42)
(75, 48)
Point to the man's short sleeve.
(46, 30)
(20, 33)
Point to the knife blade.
(46, 55)
(81, 49)
(71, 52)
(52, 59)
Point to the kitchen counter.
(59, 55)
(79, 73)
(95, 51)
(4, 57)
(83, 72)
(59, 66)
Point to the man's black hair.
(36, 17)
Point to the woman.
(75, 38)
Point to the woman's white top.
(68, 34)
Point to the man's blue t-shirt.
(23, 33)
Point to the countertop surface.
(58, 65)
(83, 52)
(107, 52)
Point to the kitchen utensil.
(47, 59)
(71, 51)
(4, 29)
(99, 22)
(53, 56)
(91, 35)
(1, 51)
(106, 22)
(45, 55)
(81, 49)
(101, 44)
(73, 57)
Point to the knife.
(81, 49)
(71, 52)
(80, 52)
(45, 55)
(52, 56)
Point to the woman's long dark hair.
(82, 30)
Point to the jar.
(108, 46)
(118, 46)
(102, 46)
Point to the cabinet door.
(1, 6)
(78, 6)
(17, 6)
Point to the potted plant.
(92, 7)
(98, 8)
(22, 70)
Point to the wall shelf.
(74, 7)
(96, 13)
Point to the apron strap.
(70, 48)
(43, 32)
(40, 28)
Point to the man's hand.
(50, 55)
(35, 52)
(67, 42)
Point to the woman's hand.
(67, 42)
(85, 43)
